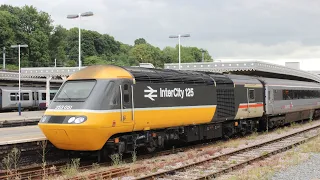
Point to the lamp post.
(203, 51)
(19, 46)
(74, 16)
(179, 36)
(4, 58)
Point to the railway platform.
(12, 119)
(16, 135)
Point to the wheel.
(152, 146)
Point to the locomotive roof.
(175, 76)
(100, 72)
(150, 75)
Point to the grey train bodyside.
(287, 100)
(31, 98)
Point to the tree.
(27, 25)
(8, 23)
(58, 44)
(140, 41)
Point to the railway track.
(215, 166)
(34, 149)
(37, 172)
(27, 157)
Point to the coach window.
(51, 96)
(12, 96)
(251, 94)
(126, 93)
(25, 96)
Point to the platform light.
(74, 16)
(19, 46)
(179, 36)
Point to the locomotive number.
(189, 92)
(63, 107)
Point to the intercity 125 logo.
(167, 93)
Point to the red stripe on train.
(250, 105)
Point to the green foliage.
(27, 25)
(140, 41)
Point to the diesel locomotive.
(112, 109)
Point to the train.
(113, 109)
(32, 98)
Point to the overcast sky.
(255, 29)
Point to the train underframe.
(156, 139)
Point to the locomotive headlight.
(71, 119)
(79, 120)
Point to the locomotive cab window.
(76, 90)
(251, 95)
(126, 92)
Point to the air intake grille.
(225, 102)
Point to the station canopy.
(40, 74)
(251, 68)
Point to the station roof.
(39, 74)
(252, 68)
(14, 76)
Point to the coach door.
(127, 104)
(250, 99)
(270, 106)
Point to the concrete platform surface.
(14, 135)
(25, 115)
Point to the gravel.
(308, 170)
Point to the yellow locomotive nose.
(66, 132)
(75, 138)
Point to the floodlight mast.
(74, 16)
(179, 36)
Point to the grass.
(116, 159)
(233, 143)
(71, 169)
(10, 163)
(252, 136)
